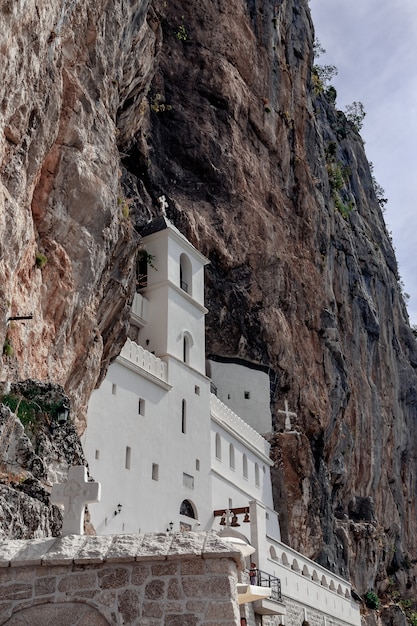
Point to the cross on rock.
(288, 414)
(74, 494)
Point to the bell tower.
(172, 280)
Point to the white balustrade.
(223, 413)
(144, 359)
(302, 577)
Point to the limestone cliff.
(108, 105)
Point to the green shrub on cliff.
(372, 600)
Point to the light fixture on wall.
(118, 509)
(170, 527)
(63, 412)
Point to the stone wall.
(180, 579)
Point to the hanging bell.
(246, 519)
(223, 521)
(234, 521)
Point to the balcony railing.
(267, 580)
(145, 360)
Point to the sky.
(374, 46)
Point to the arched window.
(185, 274)
(183, 416)
(218, 446)
(142, 269)
(232, 456)
(187, 344)
(185, 349)
(187, 509)
(245, 466)
(257, 475)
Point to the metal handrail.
(267, 580)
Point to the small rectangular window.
(183, 416)
(247, 395)
(188, 481)
(141, 406)
(197, 390)
(97, 455)
(197, 465)
(113, 389)
(155, 471)
(127, 457)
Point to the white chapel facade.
(171, 455)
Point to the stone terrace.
(179, 579)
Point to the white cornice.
(181, 292)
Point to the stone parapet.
(152, 579)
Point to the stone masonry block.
(56, 570)
(5, 575)
(15, 591)
(174, 590)
(196, 606)
(194, 587)
(21, 574)
(164, 569)
(33, 552)
(193, 567)
(225, 623)
(124, 548)
(152, 609)
(220, 566)
(140, 573)
(220, 610)
(5, 611)
(8, 550)
(172, 607)
(128, 606)
(64, 550)
(181, 620)
(154, 546)
(45, 585)
(220, 587)
(155, 590)
(107, 598)
(113, 578)
(77, 580)
(94, 549)
(186, 543)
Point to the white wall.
(233, 382)
(154, 438)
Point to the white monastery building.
(171, 455)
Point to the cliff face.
(214, 105)
(68, 66)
